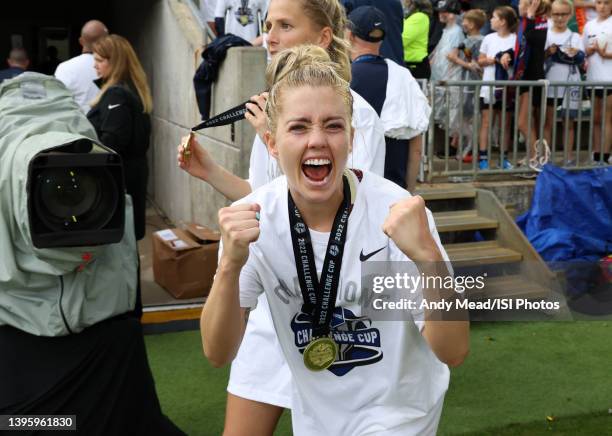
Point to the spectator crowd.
(558, 41)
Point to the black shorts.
(497, 105)
(598, 92)
(536, 98)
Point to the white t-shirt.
(562, 72)
(368, 147)
(491, 45)
(599, 69)
(208, 9)
(405, 112)
(241, 20)
(387, 380)
(78, 75)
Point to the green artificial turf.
(520, 379)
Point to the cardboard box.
(185, 261)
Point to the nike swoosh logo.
(113, 106)
(364, 257)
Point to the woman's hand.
(256, 114)
(194, 158)
(551, 50)
(504, 61)
(408, 227)
(239, 226)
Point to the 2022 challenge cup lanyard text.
(319, 296)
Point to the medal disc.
(320, 354)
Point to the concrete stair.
(480, 237)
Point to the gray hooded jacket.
(52, 292)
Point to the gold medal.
(320, 354)
(186, 144)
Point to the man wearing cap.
(393, 93)
(392, 46)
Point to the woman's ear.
(326, 37)
(271, 143)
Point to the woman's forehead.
(312, 101)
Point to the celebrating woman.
(257, 393)
(351, 374)
(120, 115)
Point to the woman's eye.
(297, 128)
(335, 126)
(285, 26)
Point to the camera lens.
(74, 199)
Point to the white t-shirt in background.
(241, 19)
(491, 45)
(78, 74)
(599, 69)
(562, 72)
(387, 380)
(207, 8)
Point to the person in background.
(503, 22)
(18, 61)
(585, 12)
(466, 56)
(207, 8)
(564, 55)
(393, 93)
(120, 115)
(527, 58)
(446, 110)
(415, 37)
(392, 47)
(78, 73)
(597, 38)
(240, 17)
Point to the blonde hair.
(124, 67)
(330, 13)
(305, 65)
(567, 3)
(476, 16)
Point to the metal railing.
(457, 118)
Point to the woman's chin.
(317, 191)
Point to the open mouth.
(316, 170)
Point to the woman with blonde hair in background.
(120, 115)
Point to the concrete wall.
(169, 41)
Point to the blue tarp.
(570, 218)
(571, 214)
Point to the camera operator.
(72, 343)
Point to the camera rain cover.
(59, 187)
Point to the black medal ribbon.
(230, 116)
(320, 295)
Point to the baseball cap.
(367, 23)
(451, 6)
